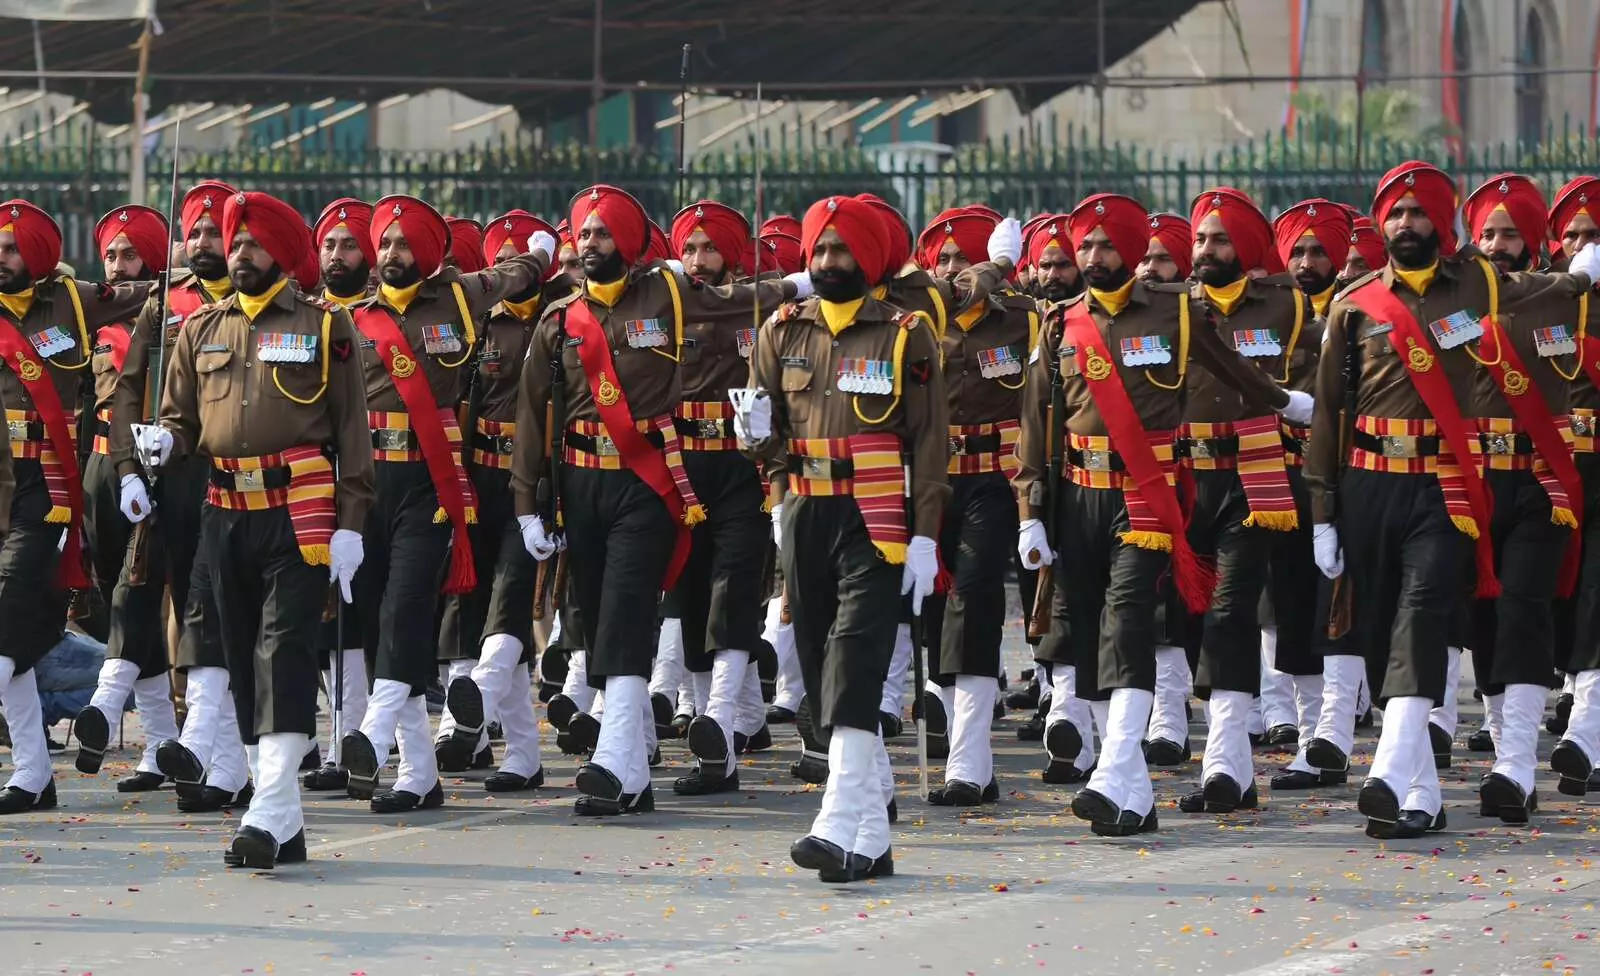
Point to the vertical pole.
(683, 135)
(597, 93)
(136, 187)
(1100, 70)
(38, 54)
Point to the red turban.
(894, 225)
(1246, 225)
(784, 224)
(356, 216)
(1325, 220)
(1124, 221)
(623, 216)
(466, 244)
(1574, 198)
(1368, 243)
(1177, 236)
(513, 227)
(985, 210)
(658, 248)
(423, 227)
(726, 227)
(147, 232)
(38, 236)
(205, 200)
(780, 252)
(1435, 192)
(969, 229)
(860, 226)
(275, 225)
(309, 274)
(1523, 202)
(1047, 229)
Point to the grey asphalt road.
(108, 885)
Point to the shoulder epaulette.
(316, 301)
(566, 299)
(907, 319)
(1352, 286)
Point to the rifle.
(78, 603)
(139, 557)
(1341, 604)
(1045, 593)
(547, 492)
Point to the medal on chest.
(52, 341)
(284, 347)
(1257, 343)
(441, 340)
(1455, 329)
(865, 376)
(1554, 341)
(645, 333)
(1146, 351)
(997, 362)
(747, 342)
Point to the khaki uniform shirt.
(985, 366)
(129, 397)
(222, 401)
(1270, 305)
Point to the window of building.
(1374, 40)
(1530, 78)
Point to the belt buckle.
(1396, 446)
(708, 429)
(1580, 426)
(604, 445)
(1094, 460)
(250, 480)
(818, 469)
(1200, 449)
(1497, 443)
(18, 429)
(958, 446)
(390, 439)
(502, 444)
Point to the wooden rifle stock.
(1341, 603)
(139, 556)
(1044, 596)
(1044, 593)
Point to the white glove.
(802, 285)
(542, 241)
(922, 567)
(152, 445)
(777, 525)
(1586, 262)
(135, 501)
(1326, 551)
(345, 553)
(538, 543)
(676, 265)
(1005, 243)
(1033, 546)
(1298, 410)
(752, 414)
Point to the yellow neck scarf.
(253, 304)
(524, 310)
(1113, 301)
(219, 289)
(1320, 303)
(400, 299)
(606, 293)
(19, 303)
(1418, 281)
(1228, 297)
(342, 300)
(838, 315)
(970, 317)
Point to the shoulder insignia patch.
(920, 371)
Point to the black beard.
(1054, 290)
(11, 284)
(1212, 272)
(604, 270)
(1314, 284)
(208, 267)
(1507, 263)
(1099, 277)
(251, 280)
(720, 278)
(400, 276)
(834, 285)
(345, 282)
(1412, 251)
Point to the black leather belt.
(1095, 460)
(260, 479)
(494, 443)
(968, 444)
(709, 429)
(1396, 446)
(1205, 448)
(26, 430)
(592, 445)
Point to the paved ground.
(109, 886)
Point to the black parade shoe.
(679, 726)
(1062, 741)
(661, 711)
(1557, 724)
(1480, 741)
(1220, 794)
(1095, 807)
(937, 722)
(559, 711)
(833, 864)
(778, 715)
(1128, 824)
(603, 796)
(708, 742)
(1569, 761)
(404, 801)
(181, 766)
(705, 781)
(327, 779)
(94, 737)
(1063, 773)
(213, 798)
(956, 793)
(1326, 756)
(1166, 753)
(1378, 802)
(1506, 800)
(761, 741)
(504, 782)
(465, 700)
(252, 848)
(311, 760)
(360, 762)
(1440, 740)
(891, 725)
(1283, 737)
(585, 732)
(140, 782)
(1298, 779)
(484, 759)
(15, 799)
(882, 865)
(1032, 730)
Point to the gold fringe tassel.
(440, 516)
(1154, 541)
(893, 552)
(316, 555)
(694, 515)
(1466, 525)
(1563, 516)
(58, 515)
(1276, 521)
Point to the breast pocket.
(796, 381)
(102, 364)
(300, 382)
(698, 343)
(215, 369)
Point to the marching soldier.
(45, 323)
(135, 244)
(1170, 255)
(490, 624)
(418, 332)
(1367, 250)
(856, 396)
(346, 257)
(1407, 506)
(1114, 514)
(267, 384)
(620, 488)
(1312, 239)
